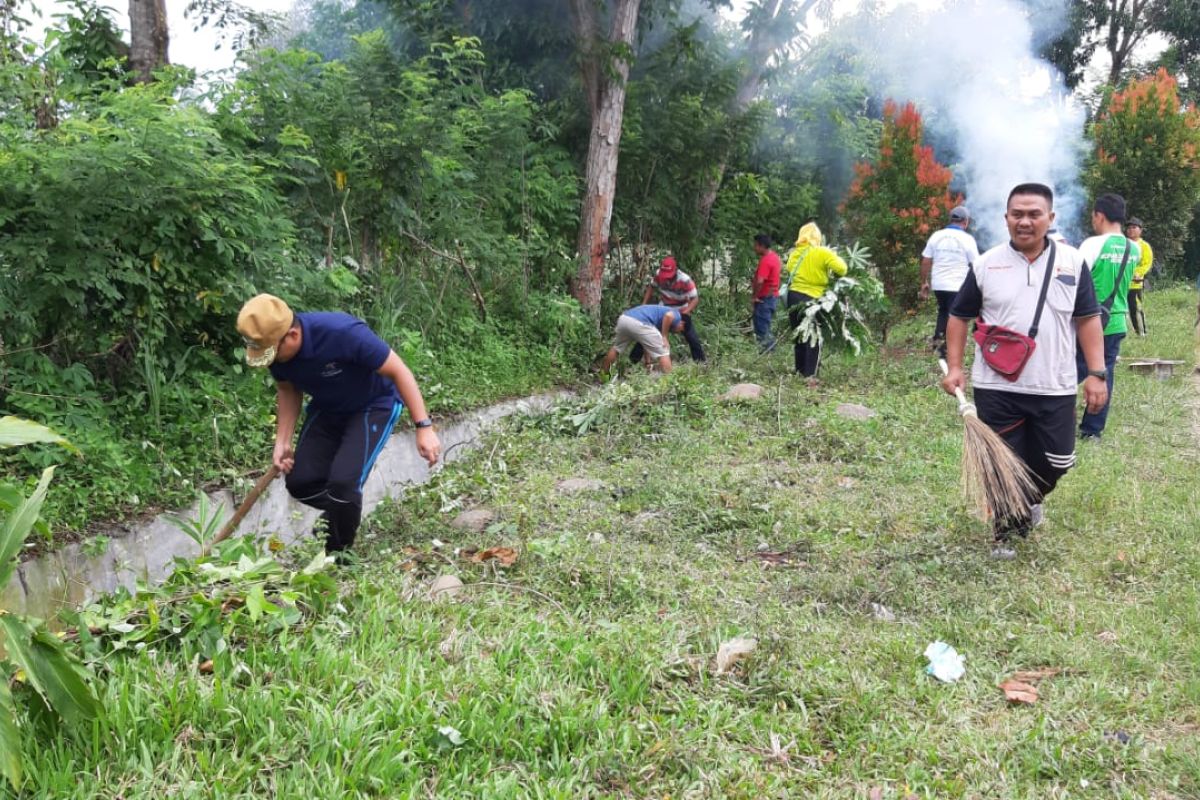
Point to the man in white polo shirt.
(944, 263)
(1033, 411)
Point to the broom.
(994, 479)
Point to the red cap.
(668, 267)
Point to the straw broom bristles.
(994, 478)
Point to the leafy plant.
(896, 200)
(47, 677)
(208, 605)
(842, 314)
(204, 526)
(1147, 148)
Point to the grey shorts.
(631, 331)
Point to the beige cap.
(262, 322)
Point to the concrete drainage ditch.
(73, 575)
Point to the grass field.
(587, 668)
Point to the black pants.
(334, 456)
(808, 356)
(689, 334)
(1136, 315)
(944, 301)
(1040, 429)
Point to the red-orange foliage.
(895, 200)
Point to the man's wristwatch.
(1102, 374)
(424, 423)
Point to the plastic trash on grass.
(945, 663)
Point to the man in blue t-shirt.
(357, 387)
(648, 326)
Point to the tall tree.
(604, 59)
(1127, 24)
(769, 25)
(148, 38)
(1120, 27)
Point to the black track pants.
(807, 356)
(334, 456)
(944, 301)
(1039, 428)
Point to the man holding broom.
(1033, 298)
(357, 387)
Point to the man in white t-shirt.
(944, 263)
(1035, 411)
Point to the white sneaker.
(1004, 551)
(1037, 515)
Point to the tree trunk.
(1127, 27)
(765, 38)
(605, 85)
(147, 38)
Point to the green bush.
(1147, 149)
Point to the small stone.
(474, 521)
(855, 411)
(742, 391)
(445, 587)
(580, 485)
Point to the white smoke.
(972, 69)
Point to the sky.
(192, 48)
(197, 49)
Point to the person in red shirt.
(766, 288)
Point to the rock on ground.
(742, 391)
(580, 485)
(445, 587)
(474, 521)
(855, 411)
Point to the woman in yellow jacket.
(809, 270)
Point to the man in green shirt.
(1112, 258)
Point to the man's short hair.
(1040, 189)
(1112, 206)
(763, 240)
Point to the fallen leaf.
(733, 651)
(1018, 692)
(882, 613)
(505, 556)
(186, 735)
(779, 751)
(206, 667)
(451, 735)
(1035, 675)
(876, 793)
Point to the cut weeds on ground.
(587, 666)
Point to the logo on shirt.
(331, 370)
(1065, 273)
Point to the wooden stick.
(242, 510)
